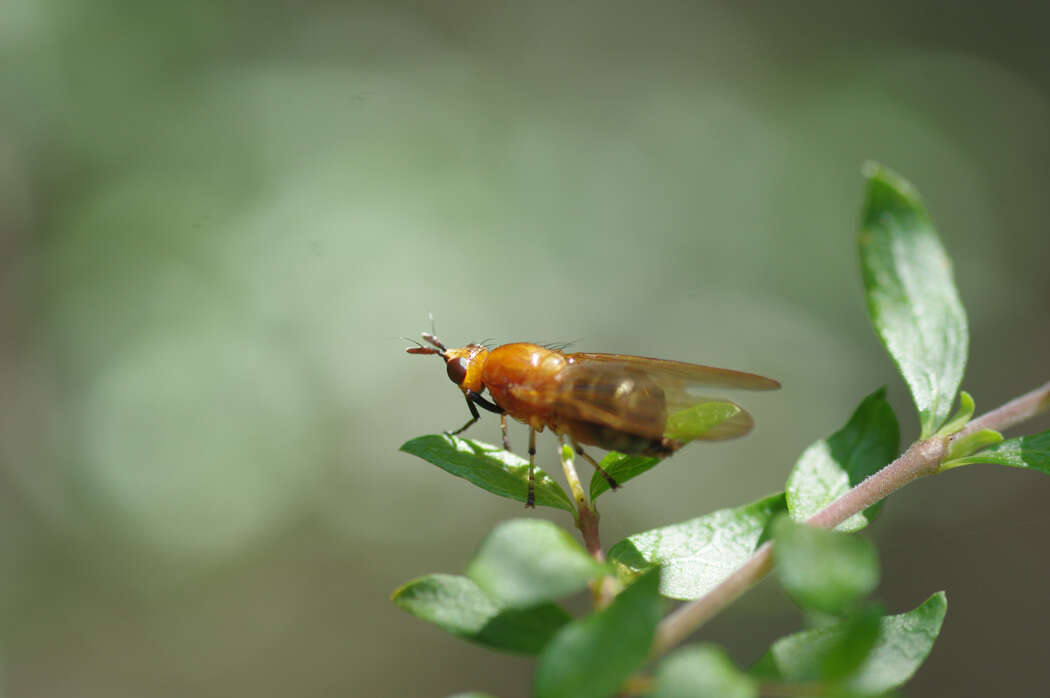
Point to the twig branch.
(1012, 413)
(922, 458)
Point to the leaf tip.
(888, 192)
(878, 174)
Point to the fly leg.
(503, 428)
(474, 416)
(530, 503)
(580, 452)
(473, 399)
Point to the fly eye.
(457, 370)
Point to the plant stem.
(922, 458)
(1014, 412)
(681, 622)
(586, 517)
(605, 589)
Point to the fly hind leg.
(580, 452)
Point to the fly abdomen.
(623, 411)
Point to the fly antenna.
(431, 339)
(419, 348)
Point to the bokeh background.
(217, 218)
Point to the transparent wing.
(683, 383)
(617, 391)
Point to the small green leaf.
(911, 294)
(697, 555)
(525, 561)
(830, 467)
(621, 468)
(702, 671)
(961, 418)
(700, 419)
(1024, 452)
(591, 657)
(459, 606)
(970, 444)
(489, 467)
(824, 570)
(904, 641)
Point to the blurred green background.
(216, 218)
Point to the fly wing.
(690, 414)
(679, 373)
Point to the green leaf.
(697, 555)
(459, 606)
(961, 418)
(697, 420)
(489, 467)
(830, 467)
(525, 561)
(824, 570)
(904, 641)
(1024, 452)
(860, 632)
(911, 294)
(970, 444)
(621, 468)
(702, 671)
(591, 657)
(838, 657)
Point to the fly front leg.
(530, 503)
(503, 428)
(473, 399)
(580, 452)
(474, 416)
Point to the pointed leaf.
(489, 467)
(621, 468)
(697, 555)
(458, 606)
(1024, 452)
(824, 570)
(702, 671)
(830, 467)
(525, 561)
(591, 657)
(911, 294)
(904, 642)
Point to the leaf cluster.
(509, 597)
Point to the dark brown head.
(463, 365)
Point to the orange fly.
(630, 404)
